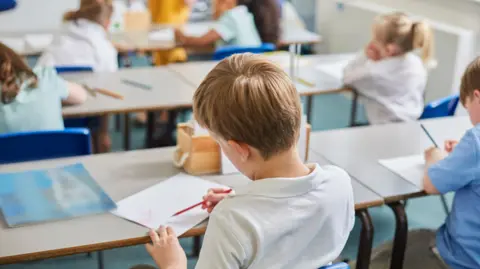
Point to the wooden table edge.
(129, 110)
(89, 248)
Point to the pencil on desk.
(429, 136)
(137, 84)
(110, 93)
(305, 82)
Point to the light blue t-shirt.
(237, 27)
(36, 109)
(458, 240)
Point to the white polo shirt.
(281, 223)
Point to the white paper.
(162, 35)
(156, 205)
(335, 70)
(410, 168)
(39, 41)
(17, 44)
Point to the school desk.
(357, 150)
(195, 72)
(120, 174)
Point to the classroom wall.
(35, 15)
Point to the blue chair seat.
(340, 265)
(40, 145)
(6, 5)
(443, 107)
(226, 51)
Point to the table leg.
(126, 132)
(118, 122)
(353, 112)
(366, 240)
(150, 129)
(100, 260)
(197, 245)
(401, 234)
(309, 108)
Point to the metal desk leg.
(353, 112)
(100, 260)
(309, 108)
(126, 132)
(401, 234)
(197, 245)
(366, 240)
(150, 129)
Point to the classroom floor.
(329, 112)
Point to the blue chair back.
(6, 5)
(40, 145)
(74, 122)
(443, 107)
(341, 265)
(226, 51)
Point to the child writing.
(291, 214)
(31, 100)
(457, 169)
(234, 26)
(388, 73)
(84, 42)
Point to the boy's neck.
(287, 164)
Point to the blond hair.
(397, 28)
(470, 80)
(99, 11)
(248, 99)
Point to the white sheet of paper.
(17, 44)
(156, 205)
(39, 41)
(162, 35)
(410, 168)
(335, 70)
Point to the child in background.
(457, 169)
(84, 42)
(31, 100)
(234, 26)
(390, 76)
(291, 215)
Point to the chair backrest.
(6, 5)
(443, 107)
(40, 145)
(224, 52)
(341, 265)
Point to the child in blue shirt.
(457, 169)
(235, 26)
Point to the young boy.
(457, 169)
(235, 25)
(291, 215)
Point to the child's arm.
(165, 249)
(76, 94)
(207, 39)
(357, 70)
(450, 173)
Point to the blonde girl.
(389, 73)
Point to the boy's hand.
(450, 145)
(212, 198)
(433, 155)
(179, 37)
(166, 250)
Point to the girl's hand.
(450, 145)
(372, 52)
(433, 155)
(166, 250)
(213, 197)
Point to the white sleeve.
(221, 248)
(356, 70)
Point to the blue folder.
(51, 194)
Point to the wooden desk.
(121, 175)
(358, 150)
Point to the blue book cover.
(51, 194)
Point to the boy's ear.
(476, 94)
(242, 149)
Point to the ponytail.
(422, 39)
(98, 11)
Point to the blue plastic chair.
(41, 145)
(226, 51)
(341, 265)
(6, 5)
(75, 122)
(443, 107)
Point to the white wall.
(36, 15)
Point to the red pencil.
(195, 205)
